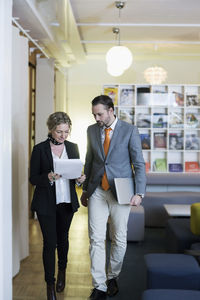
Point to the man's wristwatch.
(141, 195)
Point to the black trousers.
(55, 231)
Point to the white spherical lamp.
(114, 70)
(119, 56)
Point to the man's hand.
(136, 200)
(84, 199)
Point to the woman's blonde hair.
(58, 118)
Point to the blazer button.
(106, 164)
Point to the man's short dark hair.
(103, 99)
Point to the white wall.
(44, 96)
(20, 160)
(85, 81)
(5, 151)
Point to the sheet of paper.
(68, 168)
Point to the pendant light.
(118, 58)
(155, 75)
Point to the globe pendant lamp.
(118, 58)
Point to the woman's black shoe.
(51, 294)
(60, 284)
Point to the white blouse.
(62, 184)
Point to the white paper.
(68, 168)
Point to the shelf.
(168, 120)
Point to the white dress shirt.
(62, 184)
(112, 127)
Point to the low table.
(177, 210)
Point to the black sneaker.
(112, 287)
(97, 295)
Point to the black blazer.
(44, 198)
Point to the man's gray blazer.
(124, 152)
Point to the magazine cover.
(192, 120)
(192, 166)
(160, 120)
(175, 167)
(143, 121)
(160, 140)
(145, 141)
(176, 120)
(179, 99)
(147, 166)
(192, 142)
(127, 115)
(112, 92)
(160, 165)
(193, 100)
(127, 97)
(175, 141)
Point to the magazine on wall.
(192, 142)
(175, 167)
(127, 115)
(176, 120)
(147, 166)
(178, 100)
(175, 141)
(192, 100)
(145, 141)
(192, 120)
(160, 165)
(127, 97)
(160, 120)
(143, 121)
(160, 140)
(112, 92)
(192, 166)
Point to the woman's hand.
(53, 176)
(81, 179)
(84, 199)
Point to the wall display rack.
(168, 120)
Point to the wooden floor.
(29, 283)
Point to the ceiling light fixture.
(155, 75)
(118, 58)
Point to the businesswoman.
(55, 200)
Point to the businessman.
(113, 151)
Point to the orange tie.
(105, 185)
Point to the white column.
(5, 151)
(60, 91)
(44, 96)
(20, 148)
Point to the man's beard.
(100, 123)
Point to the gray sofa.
(168, 188)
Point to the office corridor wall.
(5, 151)
(19, 148)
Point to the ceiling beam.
(139, 24)
(142, 42)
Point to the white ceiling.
(148, 27)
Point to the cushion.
(195, 218)
(172, 271)
(171, 295)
